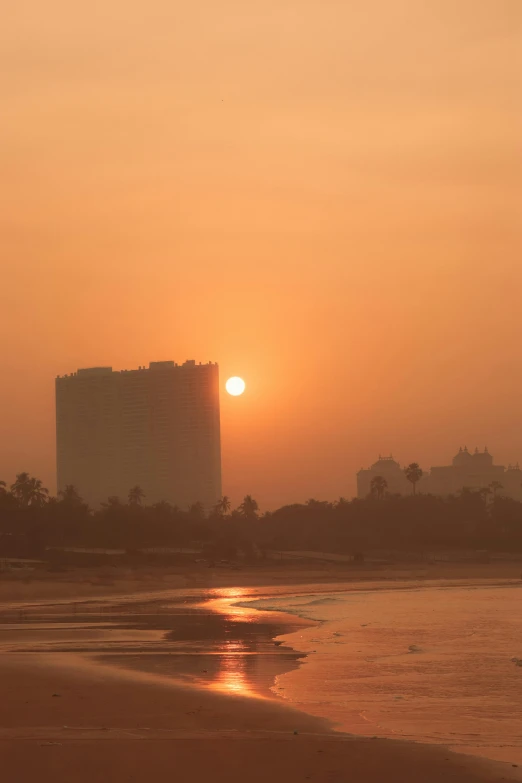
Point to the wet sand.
(150, 687)
(123, 727)
(434, 664)
(82, 583)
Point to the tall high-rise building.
(156, 427)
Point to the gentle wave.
(287, 605)
(432, 665)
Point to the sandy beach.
(77, 583)
(72, 709)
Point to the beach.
(434, 663)
(152, 684)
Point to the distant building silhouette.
(390, 470)
(158, 428)
(468, 470)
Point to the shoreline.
(113, 707)
(102, 711)
(87, 583)
(297, 691)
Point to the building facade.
(390, 470)
(468, 470)
(155, 427)
(473, 471)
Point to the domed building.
(472, 470)
(390, 470)
(462, 459)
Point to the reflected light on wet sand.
(223, 601)
(231, 677)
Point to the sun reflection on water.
(232, 676)
(241, 655)
(223, 600)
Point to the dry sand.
(113, 724)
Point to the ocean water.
(434, 664)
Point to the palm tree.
(495, 486)
(21, 489)
(136, 495)
(413, 473)
(223, 506)
(3, 490)
(378, 487)
(70, 496)
(39, 494)
(249, 507)
(29, 491)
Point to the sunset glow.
(323, 197)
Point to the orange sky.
(321, 195)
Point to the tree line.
(414, 473)
(31, 521)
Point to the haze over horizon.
(323, 197)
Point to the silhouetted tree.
(39, 493)
(378, 487)
(507, 521)
(70, 496)
(136, 495)
(197, 510)
(223, 506)
(495, 486)
(21, 488)
(30, 521)
(413, 473)
(163, 506)
(248, 508)
(484, 493)
(8, 506)
(318, 505)
(29, 491)
(112, 502)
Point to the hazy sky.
(324, 196)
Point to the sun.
(235, 386)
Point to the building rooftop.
(95, 371)
(163, 365)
